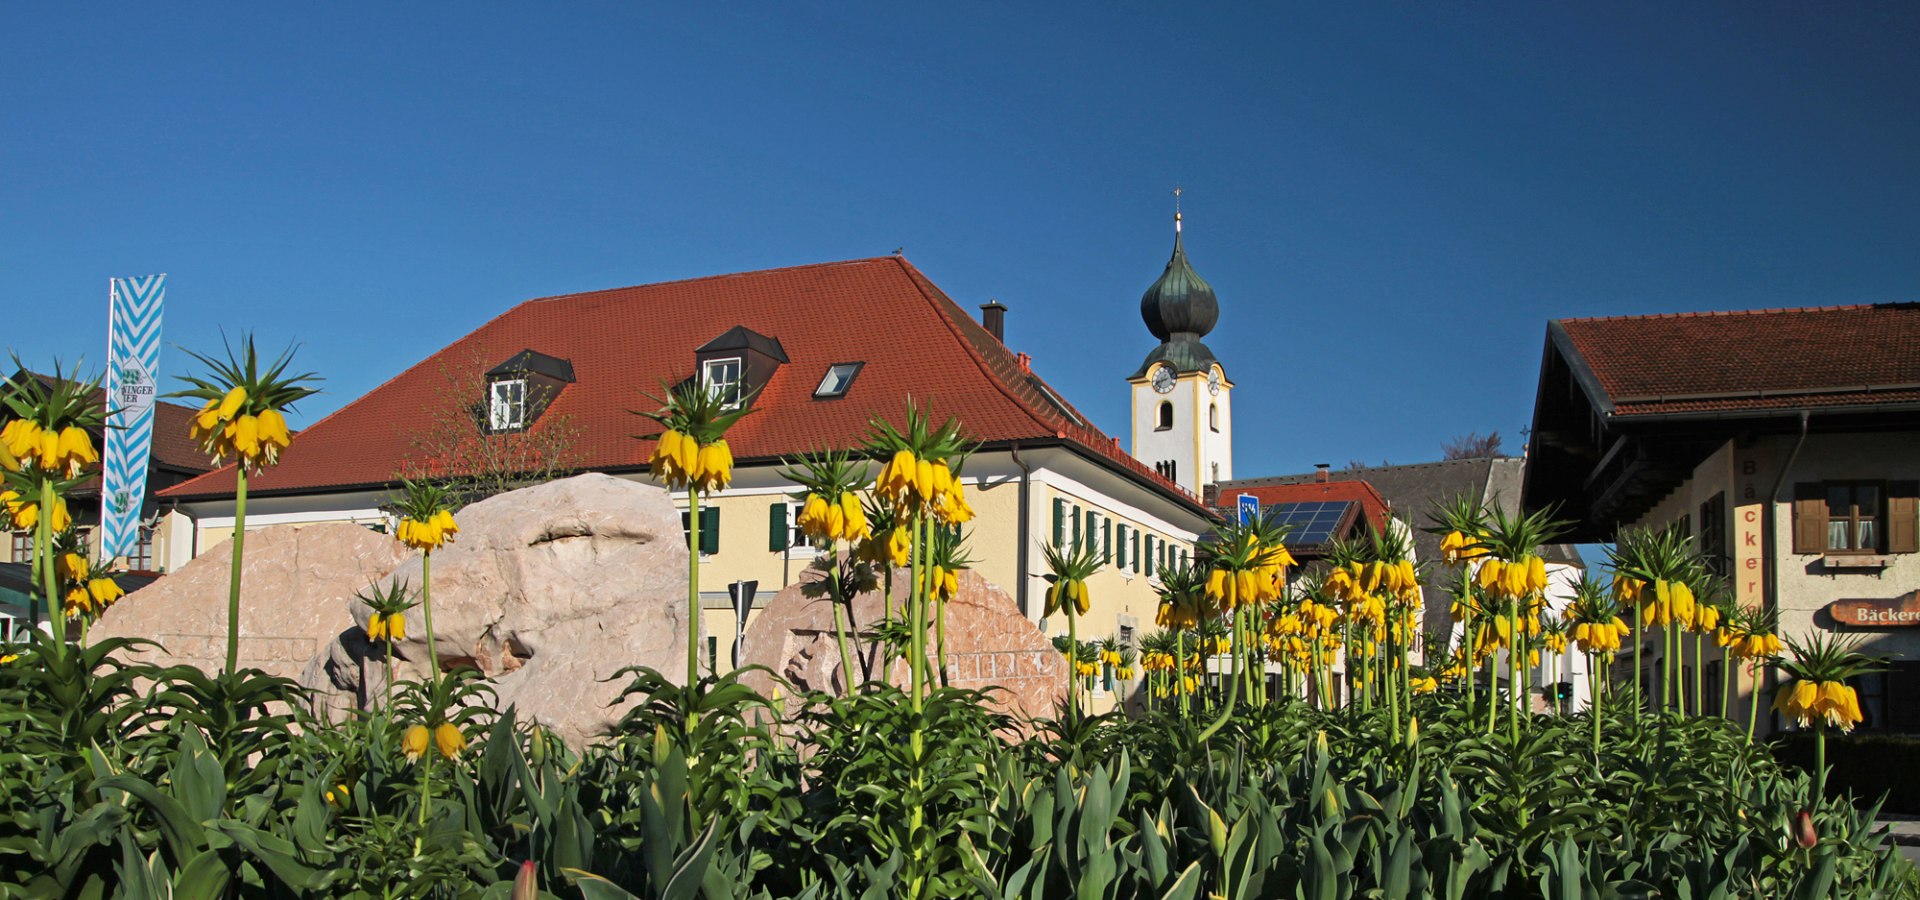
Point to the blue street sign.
(1249, 508)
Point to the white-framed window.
(722, 379)
(507, 404)
(798, 546)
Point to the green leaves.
(207, 786)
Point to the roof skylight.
(839, 377)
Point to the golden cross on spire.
(1176, 207)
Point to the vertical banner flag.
(133, 367)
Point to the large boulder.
(989, 644)
(295, 586)
(549, 591)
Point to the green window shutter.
(1152, 561)
(710, 530)
(1106, 540)
(1120, 559)
(1133, 551)
(1059, 523)
(1076, 528)
(777, 527)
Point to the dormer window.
(522, 388)
(738, 365)
(839, 377)
(507, 404)
(722, 378)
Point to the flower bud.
(1804, 832)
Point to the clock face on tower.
(1213, 380)
(1163, 378)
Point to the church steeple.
(1179, 309)
(1182, 403)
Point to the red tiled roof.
(916, 342)
(1373, 507)
(1834, 356)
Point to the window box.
(1855, 561)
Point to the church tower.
(1182, 400)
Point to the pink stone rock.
(296, 582)
(549, 591)
(989, 644)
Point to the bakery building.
(1786, 442)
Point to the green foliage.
(121, 779)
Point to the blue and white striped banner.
(133, 370)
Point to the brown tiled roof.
(915, 341)
(1833, 356)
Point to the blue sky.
(1390, 199)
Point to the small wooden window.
(1866, 517)
(1713, 534)
(1853, 517)
(1165, 420)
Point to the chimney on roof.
(1320, 471)
(993, 315)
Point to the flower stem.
(43, 550)
(1073, 663)
(1180, 670)
(233, 578)
(1819, 762)
(426, 612)
(693, 588)
(839, 622)
(426, 783)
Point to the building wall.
(1216, 447)
(1152, 445)
(1745, 473)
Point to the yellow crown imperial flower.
(231, 403)
(104, 590)
(376, 627)
(397, 627)
(448, 740)
(414, 741)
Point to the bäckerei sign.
(1895, 612)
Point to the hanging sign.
(1895, 612)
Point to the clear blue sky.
(1390, 199)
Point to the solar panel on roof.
(1309, 523)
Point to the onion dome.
(1180, 308)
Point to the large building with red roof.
(1785, 442)
(817, 351)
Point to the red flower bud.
(1804, 833)
(524, 887)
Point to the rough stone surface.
(989, 644)
(295, 586)
(548, 590)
